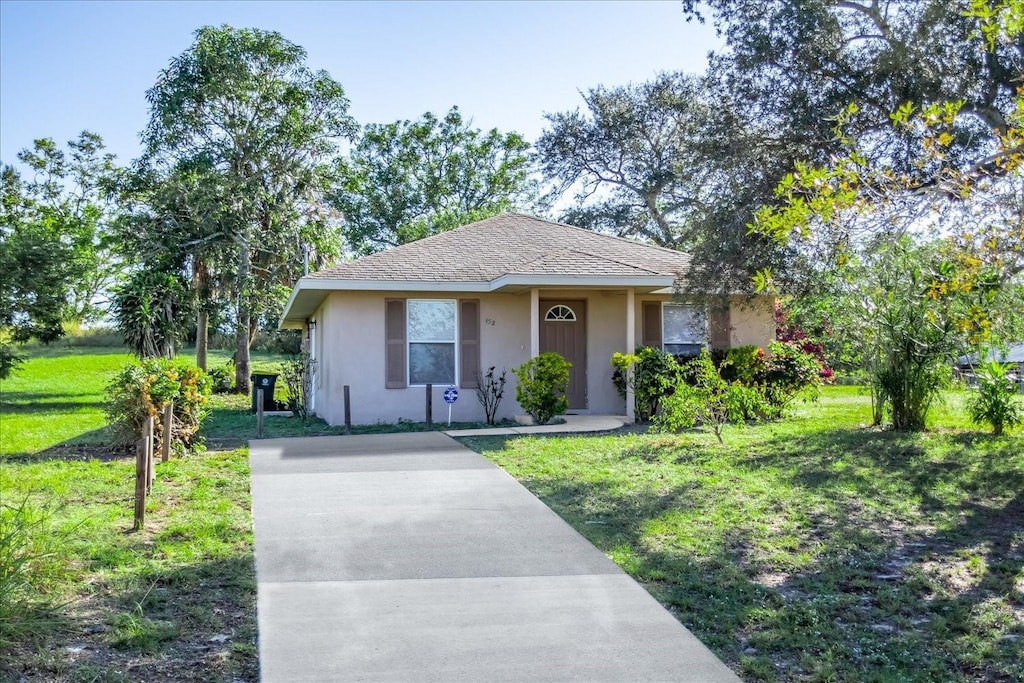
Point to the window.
(684, 329)
(431, 334)
(560, 313)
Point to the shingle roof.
(510, 244)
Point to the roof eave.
(647, 283)
(309, 293)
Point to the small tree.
(996, 401)
(490, 389)
(708, 399)
(542, 384)
(150, 311)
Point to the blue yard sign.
(451, 395)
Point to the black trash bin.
(266, 383)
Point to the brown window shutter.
(394, 352)
(469, 342)
(719, 324)
(652, 324)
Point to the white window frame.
(571, 310)
(409, 341)
(704, 343)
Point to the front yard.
(810, 549)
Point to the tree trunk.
(202, 339)
(242, 350)
(242, 322)
(201, 286)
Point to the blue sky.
(69, 66)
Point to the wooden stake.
(140, 484)
(430, 407)
(259, 413)
(147, 436)
(348, 410)
(168, 433)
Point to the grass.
(54, 402)
(173, 602)
(814, 548)
(811, 549)
(56, 398)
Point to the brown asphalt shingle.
(511, 244)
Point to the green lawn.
(56, 398)
(174, 602)
(814, 548)
(54, 402)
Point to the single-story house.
(497, 292)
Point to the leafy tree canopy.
(410, 179)
(241, 108)
(800, 63)
(670, 161)
(56, 258)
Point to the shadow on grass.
(47, 407)
(11, 398)
(90, 445)
(879, 555)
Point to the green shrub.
(541, 387)
(651, 373)
(222, 379)
(298, 380)
(996, 402)
(791, 372)
(747, 365)
(708, 399)
(142, 390)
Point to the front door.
(563, 329)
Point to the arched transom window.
(560, 313)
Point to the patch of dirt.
(218, 644)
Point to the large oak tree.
(670, 161)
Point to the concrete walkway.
(573, 424)
(407, 557)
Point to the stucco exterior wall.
(752, 321)
(349, 346)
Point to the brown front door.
(563, 329)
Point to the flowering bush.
(142, 390)
(787, 333)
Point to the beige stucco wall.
(752, 321)
(349, 348)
